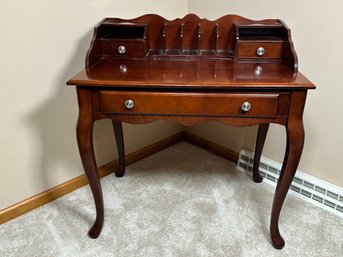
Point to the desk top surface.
(188, 73)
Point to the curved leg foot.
(95, 230)
(261, 137)
(257, 178)
(295, 143)
(277, 240)
(118, 132)
(85, 144)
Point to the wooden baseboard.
(56, 192)
(211, 147)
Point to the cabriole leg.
(85, 143)
(261, 137)
(118, 132)
(295, 143)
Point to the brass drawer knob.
(121, 49)
(129, 104)
(260, 51)
(246, 106)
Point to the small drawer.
(259, 50)
(126, 69)
(199, 104)
(259, 71)
(124, 48)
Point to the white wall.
(43, 43)
(317, 34)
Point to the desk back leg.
(261, 137)
(118, 133)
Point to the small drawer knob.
(121, 49)
(258, 70)
(129, 104)
(246, 106)
(123, 68)
(260, 51)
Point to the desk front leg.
(295, 143)
(85, 142)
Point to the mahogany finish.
(261, 137)
(232, 70)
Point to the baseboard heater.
(311, 189)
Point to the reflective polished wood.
(233, 70)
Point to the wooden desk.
(191, 70)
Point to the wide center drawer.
(200, 104)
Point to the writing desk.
(233, 70)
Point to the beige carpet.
(182, 201)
